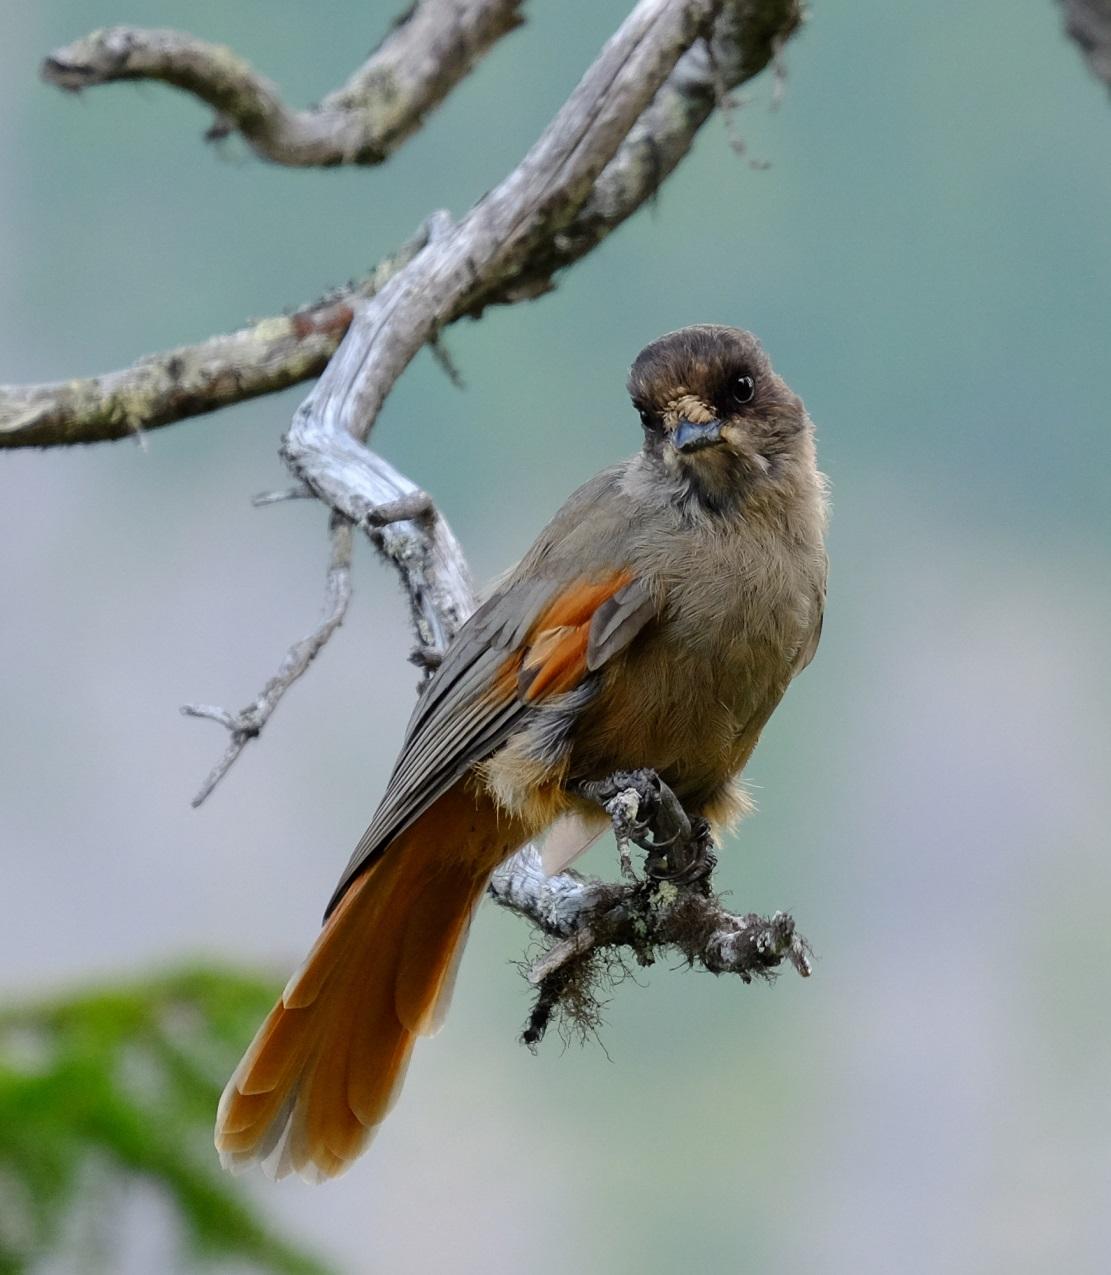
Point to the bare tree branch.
(407, 529)
(442, 281)
(277, 352)
(246, 724)
(297, 492)
(1089, 24)
(430, 49)
(672, 908)
(262, 358)
(590, 163)
(589, 921)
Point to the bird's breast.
(691, 694)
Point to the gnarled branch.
(587, 921)
(408, 531)
(277, 352)
(430, 49)
(673, 908)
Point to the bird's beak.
(688, 437)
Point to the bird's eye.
(646, 418)
(743, 388)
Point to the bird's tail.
(326, 1065)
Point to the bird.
(655, 624)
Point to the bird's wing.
(536, 638)
(810, 646)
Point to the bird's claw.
(645, 812)
(686, 862)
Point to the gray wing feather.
(810, 646)
(455, 723)
(617, 621)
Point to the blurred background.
(920, 235)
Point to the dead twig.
(245, 725)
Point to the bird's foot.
(645, 812)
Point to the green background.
(928, 260)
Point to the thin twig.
(246, 724)
(408, 519)
(414, 506)
(445, 362)
(300, 491)
(426, 54)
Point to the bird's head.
(715, 415)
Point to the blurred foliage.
(122, 1083)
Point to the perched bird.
(655, 624)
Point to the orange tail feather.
(326, 1065)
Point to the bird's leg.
(628, 797)
(623, 810)
(646, 812)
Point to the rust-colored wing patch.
(554, 663)
(554, 658)
(575, 606)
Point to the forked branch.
(283, 350)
